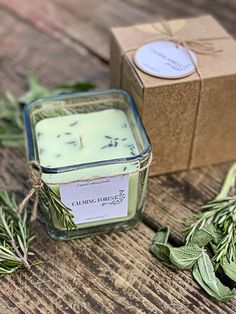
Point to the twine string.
(200, 46)
(35, 172)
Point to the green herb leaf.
(159, 246)
(203, 236)
(207, 272)
(162, 235)
(229, 269)
(185, 257)
(222, 292)
(162, 252)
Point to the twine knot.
(35, 172)
(201, 46)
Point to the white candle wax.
(89, 137)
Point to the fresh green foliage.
(203, 236)
(52, 200)
(209, 243)
(229, 269)
(15, 236)
(160, 248)
(185, 257)
(221, 214)
(11, 122)
(162, 236)
(222, 293)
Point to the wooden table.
(69, 40)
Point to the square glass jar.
(94, 154)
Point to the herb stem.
(18, 253)
(228, 183)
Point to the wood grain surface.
(67, 40)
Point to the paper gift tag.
(165, 59)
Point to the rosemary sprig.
(11, 122)
(15, 237)
(52, 200)
(221, 214)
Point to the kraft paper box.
(189, 125)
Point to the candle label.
(165, 59)
(95, 200)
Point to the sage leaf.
(162, 235)
(223, 293)
(185, 257)
(229, 269)
(159, 246)
(207, 272)
(203, 236)
(162, 252)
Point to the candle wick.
(81, 142)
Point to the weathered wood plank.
(223, 11)
(8, 308)
(87, 23)
(176, 196)
(25, 50)
(84, 22)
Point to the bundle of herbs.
(15, 236)
(209, 244)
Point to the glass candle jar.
(94, 154)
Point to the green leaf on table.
(203, 236)
(222, 293)
(229, 269)
(162, 235)
(185, 257)
(207, 271)
(162, 252)
(159, 246)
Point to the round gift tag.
(165, 59)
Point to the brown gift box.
(188, 126)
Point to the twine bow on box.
(200, 46)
